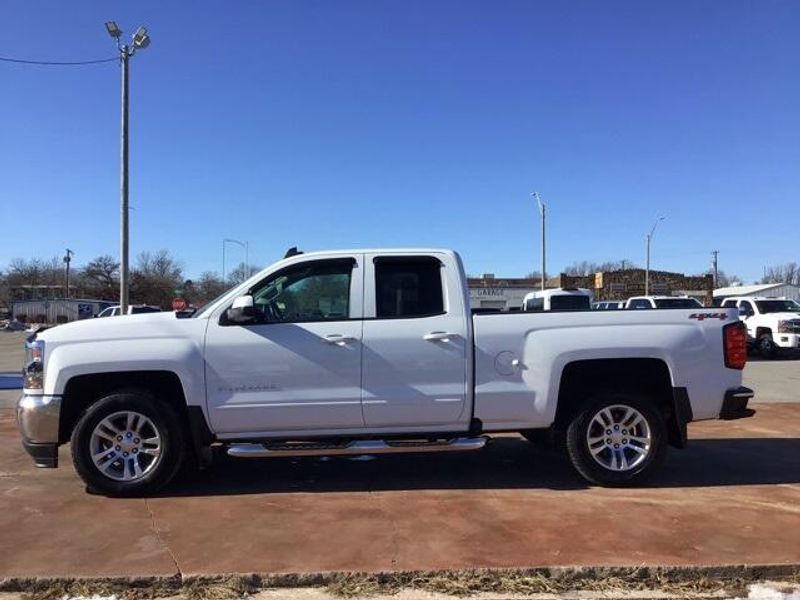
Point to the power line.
(57, 63)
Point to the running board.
(354, 448)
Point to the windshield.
(570, 303)
(776, 306)
(677, 303)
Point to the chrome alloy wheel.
(125, 446)
(619, 437)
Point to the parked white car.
(608, 305)
(372, 352)
(773, 324)
(557, 299)
(645, 302)
(133, 309)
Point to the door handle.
(338, 339)
(436, 336)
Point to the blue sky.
(350, 124)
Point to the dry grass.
(677, 582)
(465, 583)
(218, 588)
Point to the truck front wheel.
(617, 439)
(128, 444)
(766, 345)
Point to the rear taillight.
(734, 343)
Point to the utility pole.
(139, 40)
(714, 261)
(246, 246)
(543, 213)
(67, 259)
(647, 267)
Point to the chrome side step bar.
(354, 448)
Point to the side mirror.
(242, 311)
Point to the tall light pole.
(647, 267)
(67, 260)
(139, 41)
(246, 246)
(543, 213)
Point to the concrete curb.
(631, 577)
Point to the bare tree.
(206, 288)
(786, 273)
(239, 274)
(585, 267)
(155, 278)
(725, 280)
(99, 278)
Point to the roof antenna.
(293, 251)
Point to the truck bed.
(520, 357)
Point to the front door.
(415, 345)
(298, 367)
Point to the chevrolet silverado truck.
(372, 352)
(773, 324)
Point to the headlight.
(33, 371)
(789, 326)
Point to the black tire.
(162, 419)
(766, 346)
(592, 470)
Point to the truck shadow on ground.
(508, 463)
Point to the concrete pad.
(732, 498)
(50, 526)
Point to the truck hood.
(782, 316)
(148, 325)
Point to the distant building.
(772, 290)
(60, 310)
(489, 292)
(622, 284)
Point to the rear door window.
(407, 287)
(640, 304)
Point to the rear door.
(415, 343)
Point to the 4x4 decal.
(704, 316)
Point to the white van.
(558, 299)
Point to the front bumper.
(787, 341)
(734, 405)
(38, 420)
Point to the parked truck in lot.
(646, 302)
(558, 299)
(773, 324)
(372, 352)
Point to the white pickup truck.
(370, 352)
(647, 302)
(773, 324)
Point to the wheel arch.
(644, 376)
(81, 391)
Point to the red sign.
(178, 304)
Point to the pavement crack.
(157, 531)
(393, 526)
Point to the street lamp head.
(113, 30)
(141, 39)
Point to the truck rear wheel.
(128, 444)
(617, 439)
